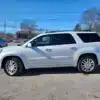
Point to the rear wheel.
(87, 64)
(13, 66)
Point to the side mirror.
(29, 45)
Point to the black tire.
(79, 65)
(20, 66)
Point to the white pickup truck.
(48, 50)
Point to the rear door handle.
(48, 50)
(73, 48)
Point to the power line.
(5, 26)
(31, 12)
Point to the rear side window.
(58, 39)
(89, 37)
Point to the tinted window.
(89, 37)
(62, 39)
(54, 39)
(42, 41)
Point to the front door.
(40, 53)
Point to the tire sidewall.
(19, 66)
(80, 67)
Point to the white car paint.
(52, 56)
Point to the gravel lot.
(50, 84)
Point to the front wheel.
(87, 64)
(13, 66)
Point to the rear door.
(62, 48)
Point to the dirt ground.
(50, 84)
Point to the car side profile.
(57, 49)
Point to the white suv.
(59, 49)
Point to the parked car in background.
(3, 43)
(8, 41)
(48, 50)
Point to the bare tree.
(77, 27)
(91, 18)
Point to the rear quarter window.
(89, 37)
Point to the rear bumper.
(98, 58)
(0, 63)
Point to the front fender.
(20, 55)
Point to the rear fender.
(82, 51)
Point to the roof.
(70, 32)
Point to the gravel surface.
(50, 84)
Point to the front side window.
(89, 37)
(41, 41)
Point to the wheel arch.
(88, 54)
(7, 57)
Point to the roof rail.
(51, 31)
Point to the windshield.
(1, 39)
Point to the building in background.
(2, 35)
(24, 34)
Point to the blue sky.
(50, 14)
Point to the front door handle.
(48, 50)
